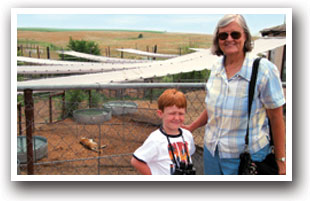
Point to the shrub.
(88, 47)
(95, 99)
(73, 100)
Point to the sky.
(184, 23)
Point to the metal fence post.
(151, 93)
(29, 128)
(63, 105)
(90, 102)
(51, 108)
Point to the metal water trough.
(92, 115)
(39, 148)
(121, 107)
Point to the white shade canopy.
(197, 61)
(143, 53)
(102, 58)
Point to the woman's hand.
(282, 167)
(200, 121)
(187, 127)
(278, 134)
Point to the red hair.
(171, 97)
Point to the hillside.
(167, 43)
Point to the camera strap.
(171, 147)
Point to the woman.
(226, 100)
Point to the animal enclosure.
(121, 135)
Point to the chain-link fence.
(56, 124)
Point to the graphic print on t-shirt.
(178, 152)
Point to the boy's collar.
(170, 135)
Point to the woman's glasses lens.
(224, 35)
(235, 35)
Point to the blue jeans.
(214, 165)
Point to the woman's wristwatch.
(282, 159)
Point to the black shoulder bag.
(248, 167)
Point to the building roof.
(276, 30)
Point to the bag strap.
(251, 95)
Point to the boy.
(167, 150)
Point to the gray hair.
(227, 19)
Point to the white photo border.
(286, 11)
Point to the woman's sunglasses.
(224, 35)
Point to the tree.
(88, 47)
(140, 35)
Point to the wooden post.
(269, 55)
(19, 109)
(122, 54)
(48, 52)
(283, 61)
(21, 50)
(147, 49)
(29, 120)
(38, 51)
(155, 50)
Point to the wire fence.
(52, 126)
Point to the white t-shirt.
(156, 154)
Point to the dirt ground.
(65, 150)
